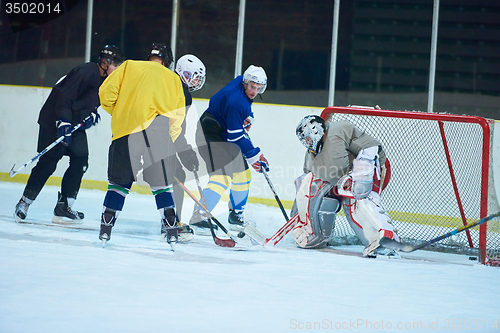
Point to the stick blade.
(394, 245)
(12, 173)
(254, 234)
(224, 242)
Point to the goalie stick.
(221, 242)
(394, 245)
(13, 172)
(256, 233)
(274, 239)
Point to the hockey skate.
(22, 209)
(387, 253)
(108, 220)
(186, 234)
(172, 230)
(200, 223)
(63, 212)
(374, 249)
(369, 251)
(235, 220)
(172, 235)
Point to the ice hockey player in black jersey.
(73, 99)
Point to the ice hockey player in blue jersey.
(226, 149)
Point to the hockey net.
(441, 178)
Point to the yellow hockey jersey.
(138, 91)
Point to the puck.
(241, 234)
(472, 258)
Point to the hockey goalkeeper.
(343, 167)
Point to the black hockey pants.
(220, 156)
(78, 153)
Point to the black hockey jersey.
(74, 97)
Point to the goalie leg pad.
(326, 215)
(368, 219)
(298, 183)
(317, 213)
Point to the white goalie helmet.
(191, 71)
(310, 132)
(257, 75)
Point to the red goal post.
(441, 177)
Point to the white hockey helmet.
(191, 71)
(310, 132)
(257, 75)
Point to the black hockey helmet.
(112, 54)
(163, 52)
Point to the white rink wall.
(273, 131)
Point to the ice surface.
(55, 279)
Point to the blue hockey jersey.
(230, 107)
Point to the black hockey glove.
(92, 120)
(189, 159)
(64, 129)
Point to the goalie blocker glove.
(363, 171)
(362, 178)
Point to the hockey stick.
(394, 245)
(270, 184)
(221, 242)
(13, 172)
(278, 235)
(221, 226)
(274, 192)
(256, 235)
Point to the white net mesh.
(436, 182)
